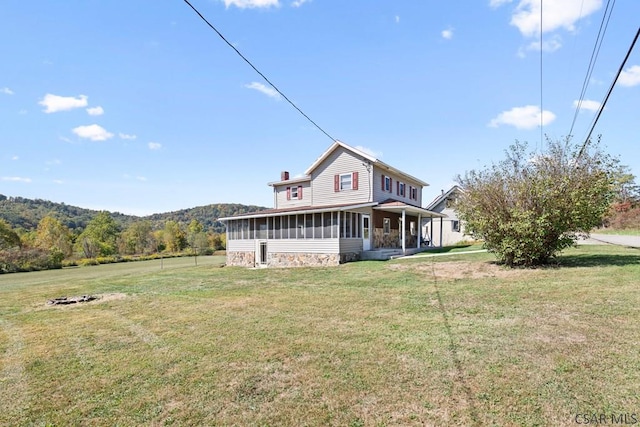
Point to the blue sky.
(139, 107)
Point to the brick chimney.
(284, 176)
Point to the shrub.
(530, 206)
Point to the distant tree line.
(31, 240)
(23, 213)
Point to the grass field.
(628, 232)
(451, 340)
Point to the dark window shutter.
(336, 183)
(382, 182)
(288, 193)
(354, 181)
(299, 191)
(390, 185)
(398, 188)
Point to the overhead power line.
(592, 61)
(256, 70)
(606, 98)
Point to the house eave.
(299, 210)
(289, 181)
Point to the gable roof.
(435, 202)
(368, 157)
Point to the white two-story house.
(347, 204)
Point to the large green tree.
(100, 236)
(137, 238)
(175, 239)
(52, 235)
(532, 205)
(8, 237)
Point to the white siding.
(241, 245)
(313, 246)
(281, 195)
(350, 245)
(379, 195)
(340, 161)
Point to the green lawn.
(452, 340)
(627, 232)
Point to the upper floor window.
(401, 190)
(294, 193)
(345, 181)
(387, 184)
(413, 193)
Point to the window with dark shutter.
(383, 183)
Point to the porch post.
(403, 233)
(431, 231)
(440, 231)
(419, 230)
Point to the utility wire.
(541, 105)
(256, 69)
(592, 60)
(604, 102)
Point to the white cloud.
(369, 151)
(527, 117)
(15, 179)
(55, 103)
(264, 89)
(630, 76)
(15, 158)
(126, 136)
(397, 18)
(587, 104)
(447, 34)
(250, 4)
(141, 178)
(550, 44)
(92, 132)
(6, 91)
(154, 146)
(58, 181)
(298, 3)
(498, 3)
(95, 111)
(556, 14)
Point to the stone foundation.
(302, 260)
(241, 259)
(349, 257)
(283, 259)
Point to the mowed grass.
(433, 341)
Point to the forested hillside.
(22, 213)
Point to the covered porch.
(397, 230)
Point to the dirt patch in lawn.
(463, 270)
(93, 299)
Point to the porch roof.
(299, 210)
(398, 206)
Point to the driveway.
(598, 239)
